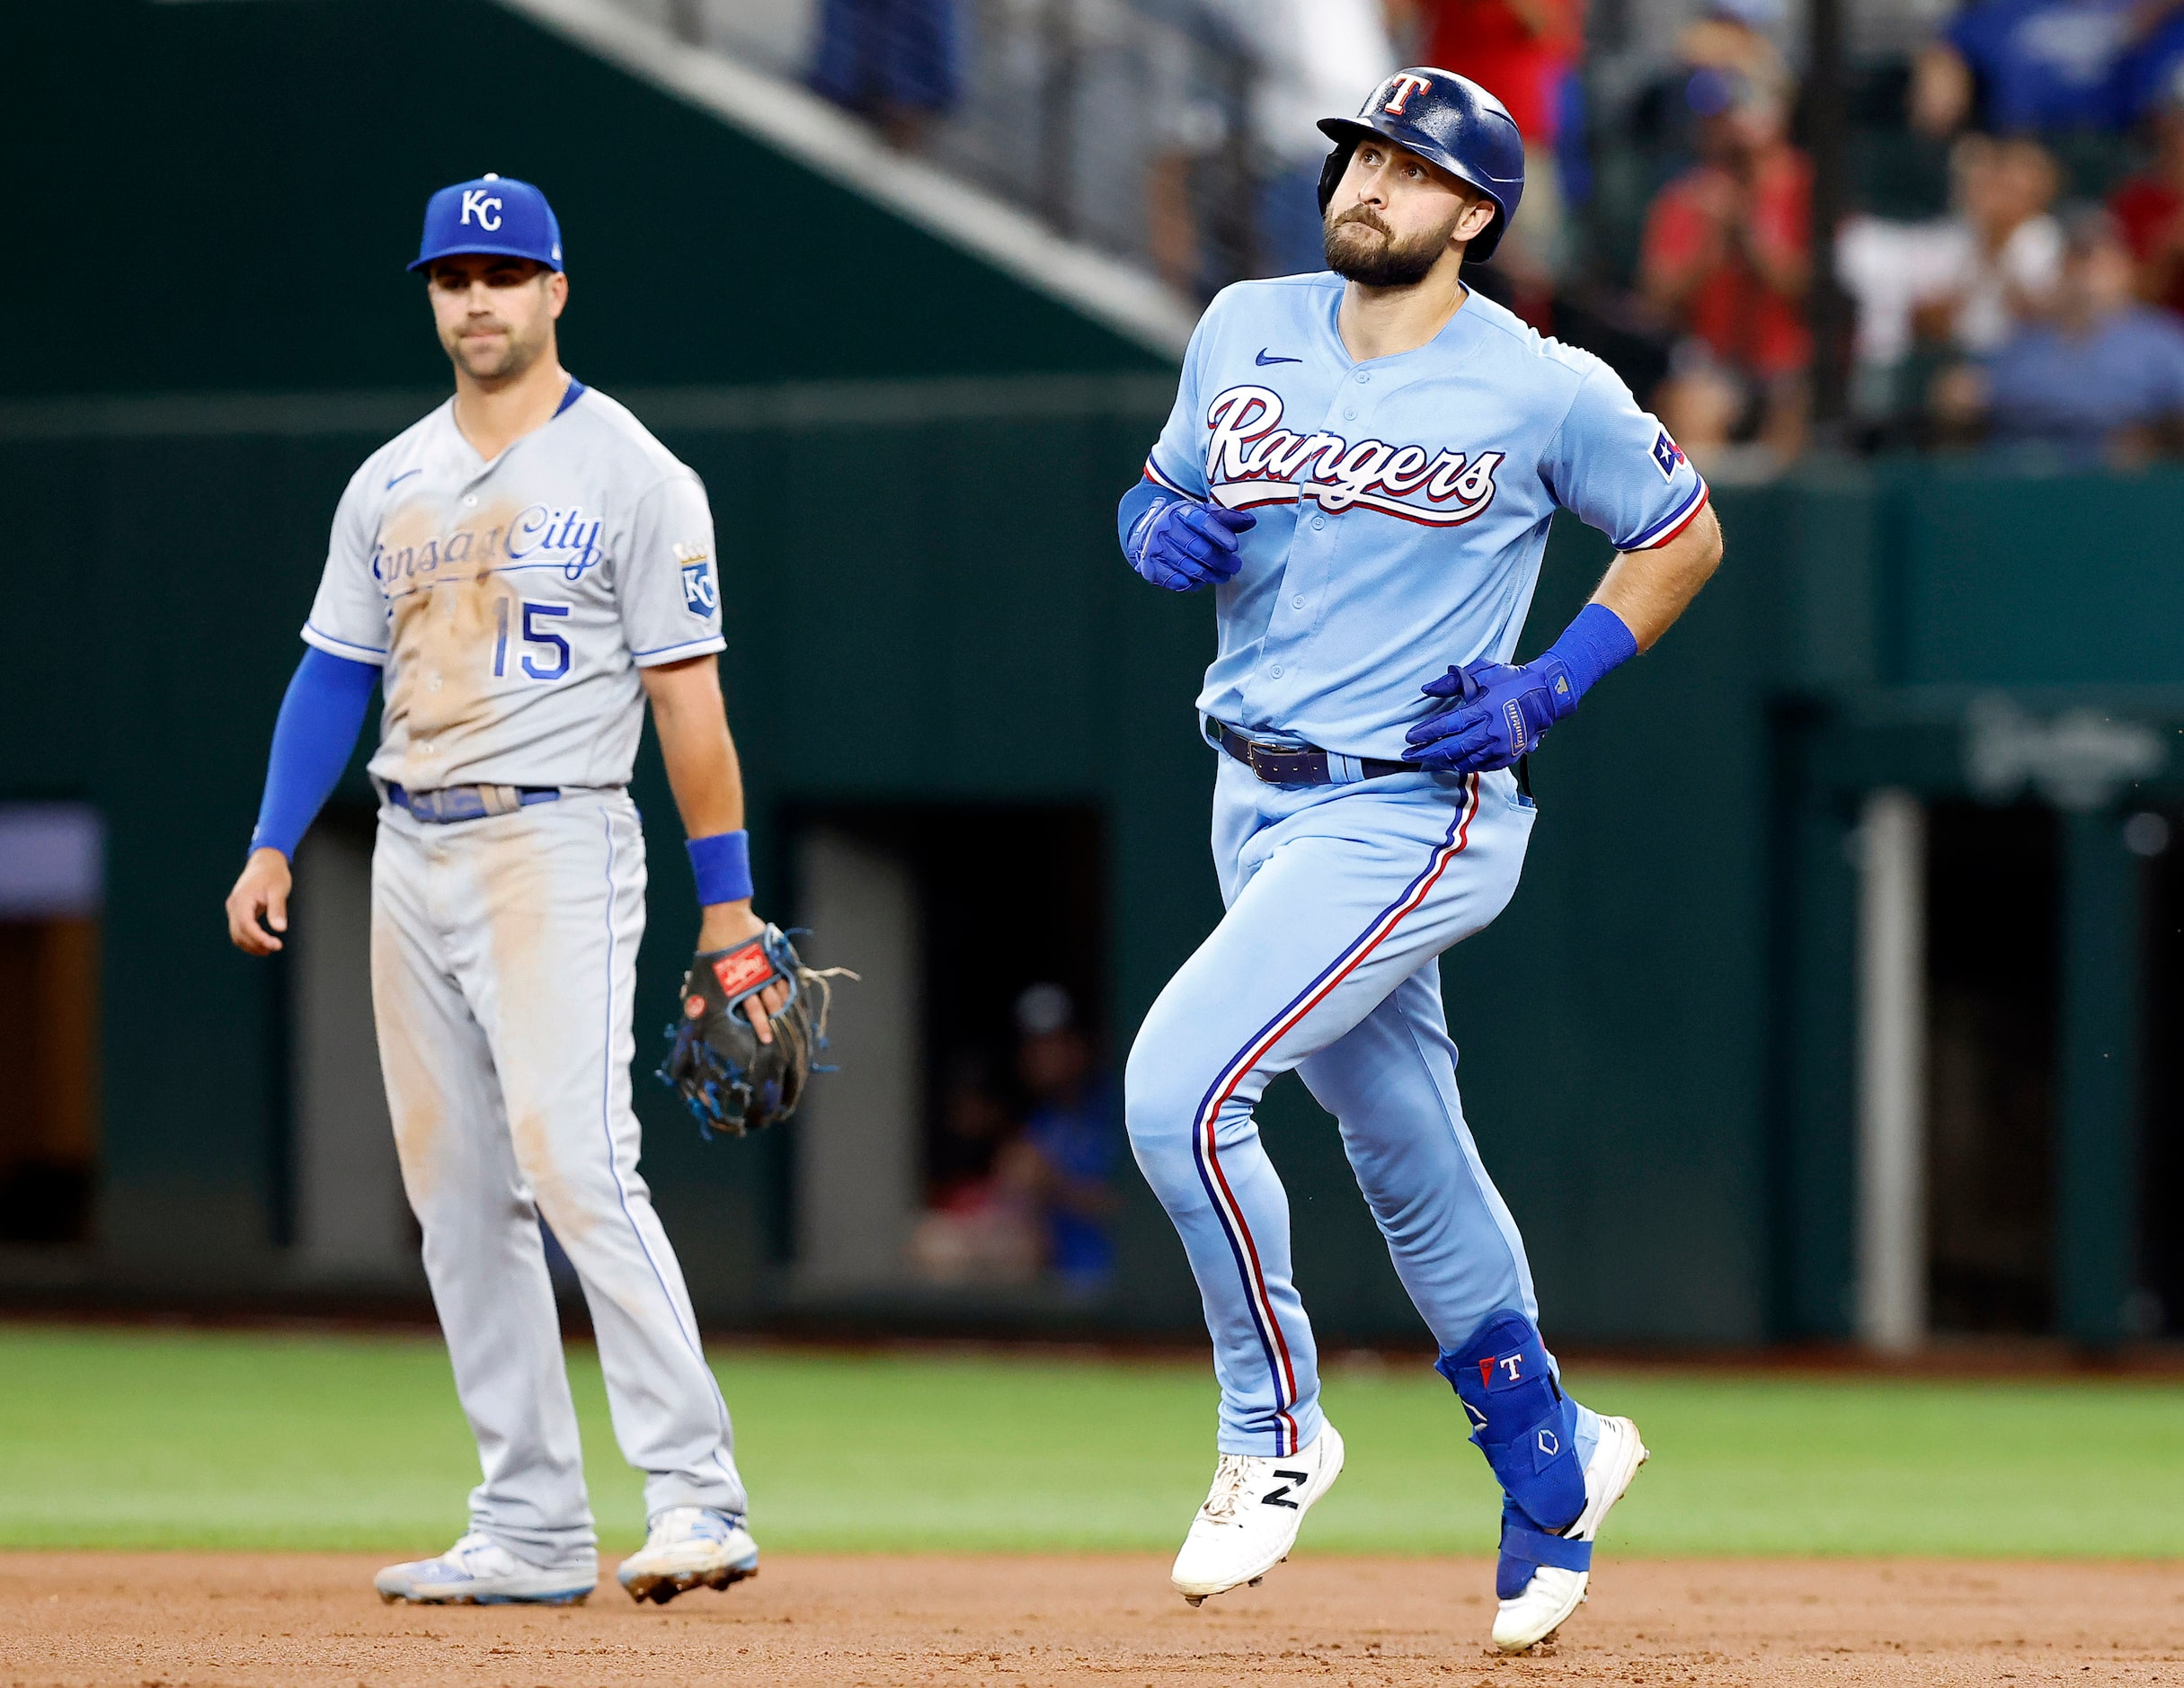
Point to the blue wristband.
(1596, 641)
(722, 866)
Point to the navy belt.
(1301, 764)
(468, 803)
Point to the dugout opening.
(1993, 903)
(971, 1139)
(52, 886)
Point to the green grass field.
(132, 1438)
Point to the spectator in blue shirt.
(894, 62)
(2148, 81)
(2103, 382)
(1066, 1157)
(2029, 66)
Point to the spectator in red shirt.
(2149, 208)
(1523, 52)
(1518, 49)
(1727, 256)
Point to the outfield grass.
(243, 1440)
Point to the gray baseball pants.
(504, 959)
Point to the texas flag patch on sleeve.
(1667, 455)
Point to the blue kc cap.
(495, 214)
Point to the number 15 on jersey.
(544, 637)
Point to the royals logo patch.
(700, 596)
(1251, 459)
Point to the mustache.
(1366, 216)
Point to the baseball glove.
(730, 1081)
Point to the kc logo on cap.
(493, 214)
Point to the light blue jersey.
(1403, 507)
(1403, 502)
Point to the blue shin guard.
(1527, 1428)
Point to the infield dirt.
(169, 1619)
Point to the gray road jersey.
(512, 602)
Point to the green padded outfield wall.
(1656, 1036)
(1624, 1117)
(216, 197)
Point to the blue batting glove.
(1183, 546)
(1495, 713)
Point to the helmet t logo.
(487, 210)
(1401, 89)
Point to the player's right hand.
(1184, 546)
(260, 895)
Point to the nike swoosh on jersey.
(1262, 360)
(403, 476)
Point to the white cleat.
(1529, 1618)
(477, 1571)
(688, 1546)
(1250, 1519)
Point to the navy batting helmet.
(1447, 119)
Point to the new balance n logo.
(1278, 1496)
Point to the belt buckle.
(446, 805)
(1276, 764)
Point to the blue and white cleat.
(477, 1571)
(688, 1546)
(1541, 1579)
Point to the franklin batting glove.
(1497, 714)
(1182, 546)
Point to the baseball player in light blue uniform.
(1364, 466)
(521, 571)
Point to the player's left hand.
(725, 925)
(1496, 712)
(716, 1061)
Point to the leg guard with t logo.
(1527, 1428)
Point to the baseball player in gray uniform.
(522, 570)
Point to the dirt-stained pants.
(503, 958)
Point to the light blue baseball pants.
(1340, 900)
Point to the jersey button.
(1275, 670)
(1296, 602)
(1363, 376)
(1350, 414)
(1319, 521)
(470, 501)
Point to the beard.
(1387, 262)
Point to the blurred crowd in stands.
(2010, 255)
(2039, 315)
